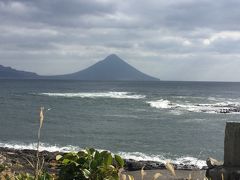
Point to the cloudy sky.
(171, 40)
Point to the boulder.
(211, 163)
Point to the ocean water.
(180, 121)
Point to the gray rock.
(211, 163)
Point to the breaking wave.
(110, 94)
(219, 107)
(43, 147)
(138, 156)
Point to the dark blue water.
(182, 121)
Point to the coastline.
(19, 161)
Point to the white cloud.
(224, 35)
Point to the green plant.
(2, 168)
(90, 164)
(26, 176)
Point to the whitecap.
(43, 147)
(218, 107)
(110, 94)
(162, 104)
(186, 160)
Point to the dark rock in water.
(229, 110)
(132, 165)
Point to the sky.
(192, 40)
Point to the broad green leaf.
(94, 164)
(90, 164)
(119, 160)
(58, 157)
(108, 159)
(65, 161)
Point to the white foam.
(110, 94)
(138, 156)
(190, 161)
(162, 104)
(217, 107)
(162, 159)
(43, 147)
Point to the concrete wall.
(232, 145)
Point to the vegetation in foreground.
(88, 164)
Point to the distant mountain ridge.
(10, 73)
(112, 68)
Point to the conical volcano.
(112, 68)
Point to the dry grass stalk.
(120, 172)
(170, 168)
(38, 167)
(29, 162)
(123, 177)
(143, 173)
(222, 176)
(189, 176)
(156, 175)
(130, 177)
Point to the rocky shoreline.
(22, 160)
(133, 165)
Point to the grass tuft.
(170, 168)
(156, 176)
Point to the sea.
(183, 122)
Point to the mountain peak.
(113, 57)
(112, 68)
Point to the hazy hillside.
(10, 73)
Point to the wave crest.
(219, 107)
(138, 156)
(110, 94)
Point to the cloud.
(225, 35)
(174, 37)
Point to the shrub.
(90, 164)
(26, 176)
